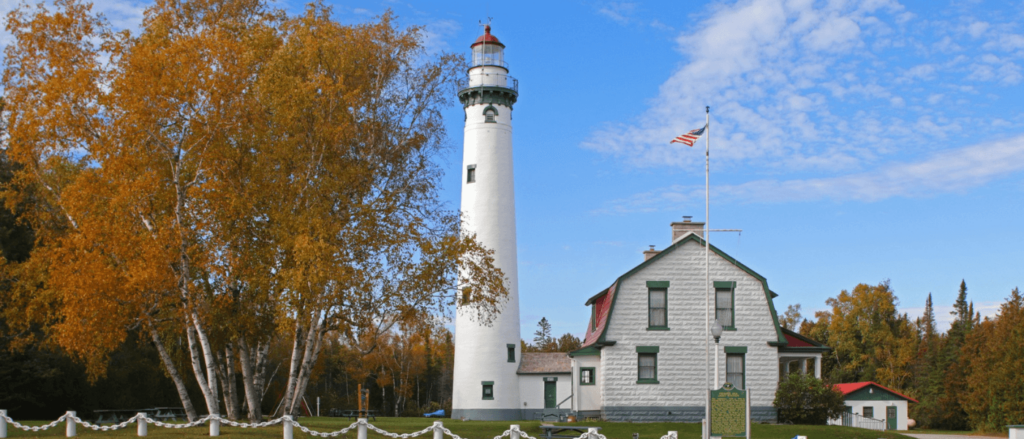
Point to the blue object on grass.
(439, 414)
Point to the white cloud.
(948, 171)
(621, 12)
(975, 29)
(436, 35)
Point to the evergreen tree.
(951, 414)
(542, 337)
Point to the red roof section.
(487, 38)
(603, 304)
(848, 388)
(794, 342)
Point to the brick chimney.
(648, 254)
(681, 228)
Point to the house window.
(647, 364)
(657, 308)
(725, 309)
(869, 412)
(471, 174)
(734, 370)
(511, 353)
(587, 375)
(488, 389)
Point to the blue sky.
(852, 141)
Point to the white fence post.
(3, 423)
(287, 422)
(515, 432)
(361, 429)
(438, 433)
(142, 425)
(70, 422)
(215, 425)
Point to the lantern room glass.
(488, 55)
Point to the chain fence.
(362, 426)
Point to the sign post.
(730, 412)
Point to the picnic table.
(117, 416)
(553, 431)
(114, 416)
(359, 414)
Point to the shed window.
(869, 412)
(587, 375)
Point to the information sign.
(729, 412)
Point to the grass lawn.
(467, 429)
(963, 433)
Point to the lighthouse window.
(511, 353)
(470, 173)
(489, 113)
(488, 389)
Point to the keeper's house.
(643, 358)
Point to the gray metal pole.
(287, 423)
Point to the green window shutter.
(657, 284)
(647, 349)
(735, 349)
(725, 284)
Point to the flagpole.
(707, 255)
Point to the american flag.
(690, 137)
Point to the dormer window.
(490, 113)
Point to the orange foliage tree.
(231, 171)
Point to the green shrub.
(807, 400)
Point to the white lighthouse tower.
(486, 386)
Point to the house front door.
(549, 395)
(890, 418)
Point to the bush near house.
(803, 399)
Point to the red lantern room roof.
(487, 38)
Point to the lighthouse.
(486, 386)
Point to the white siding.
(879, 409)
(681, 360)
(589, 396)
(531, 390)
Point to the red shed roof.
(849, 388)
(487, 38)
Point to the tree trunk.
(293, 370)
(197, 368)
(179, 383)
(313, 337)
(211, 361)
(252, 397)
(226, 377)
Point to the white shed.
(872, 400)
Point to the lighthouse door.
(550, 398)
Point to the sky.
(851, 141)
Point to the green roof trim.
(735, 349)
(587, 351)
(817, 346)
(593, 298)
(865, 394)
(647, 349)
(724, 284)
(780, 340)
(657, 284)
